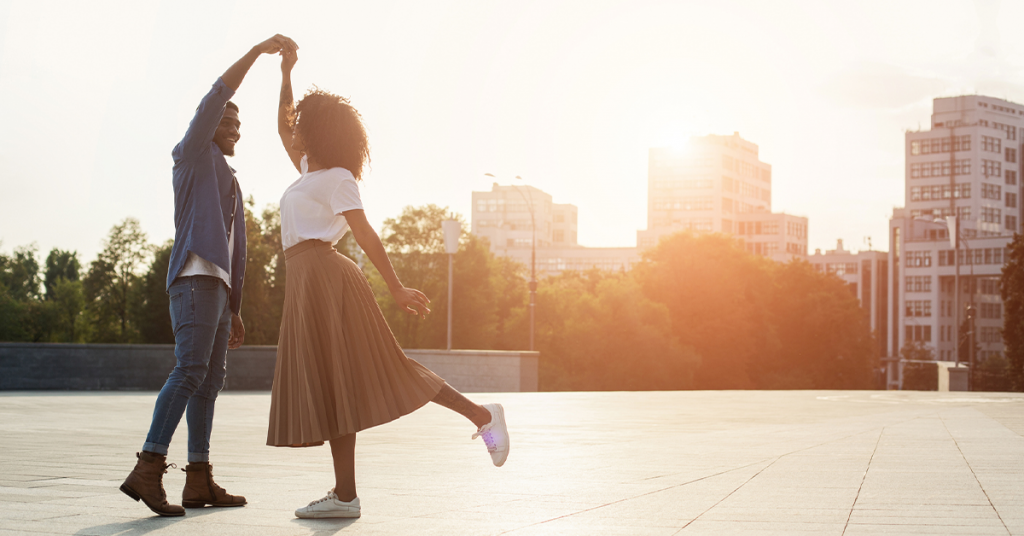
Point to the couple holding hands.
(339, 368)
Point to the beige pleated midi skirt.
(339, 368)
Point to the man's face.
(227, 134)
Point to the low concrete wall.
(144, 367)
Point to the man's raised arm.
(204, 124)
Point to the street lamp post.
(451, 229)
(533, 258)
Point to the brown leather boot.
(201, 490)
(145, 483)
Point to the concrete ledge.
(144, 367)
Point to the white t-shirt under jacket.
(311, 207)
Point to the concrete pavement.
(658, 463)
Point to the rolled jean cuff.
(155, 448)
(198, 457)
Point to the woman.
(339, 368)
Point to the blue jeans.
(201, 320)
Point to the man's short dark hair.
(233, 106)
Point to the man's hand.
(412, 300)
(278, 43)
(237, 332)
(288, 59)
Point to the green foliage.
(263, 293)
(921, 377)
(60, 265)
(415, 245)
(991, 374)
(109, 283)
(755, 323)
(151, 304)
(596, 331)
(1013, 305)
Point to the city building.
(503, 216)
(866, 273)
(719, 184)
(966, 165)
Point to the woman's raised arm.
(286, 107)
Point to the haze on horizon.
(569, 95)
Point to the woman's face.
(297, 144)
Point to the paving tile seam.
(863, 478)
(966, 461)
(745, 482)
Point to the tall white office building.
(719, 184)
(967, 165)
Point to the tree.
(597, 331)
(151, 306)
(824, 337)
(1013, 303)
(263, 292)
(20, 273)
(716, 294)
(66, 301)
(60, 264)
(108, 284)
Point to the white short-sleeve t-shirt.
(311, 207)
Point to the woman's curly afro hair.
(332, 131)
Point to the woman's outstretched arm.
(286, 106)
(410, 299)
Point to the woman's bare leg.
(343, 449)
(453, 400)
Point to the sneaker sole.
(325, 515)
(508, 446)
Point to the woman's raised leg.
(489, 420)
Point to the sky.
(568, 95)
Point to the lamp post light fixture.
(533, 257)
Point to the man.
(204, 282)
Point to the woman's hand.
(288, 59)
(412, 300)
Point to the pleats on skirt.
(339, 368)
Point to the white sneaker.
(329, 506)
(495, 434)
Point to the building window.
(559, 218)
(991, 191)
(964, 213)
(991, 310)
(558, 235)
(1011, 177)
(919, 170)
(1011, 199)
(841, 268)
(686, 203)
(1011, 155)
(991, 144)
(991, 215)
(940, 145)
(758, 228)
(917, 259)
(991, 335)
(919, 283)
(991, 168)
(919, 308)
(1011, 223)
(940, 191)
(1011, 133)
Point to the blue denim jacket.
(204, 189)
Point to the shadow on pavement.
(325, 527)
